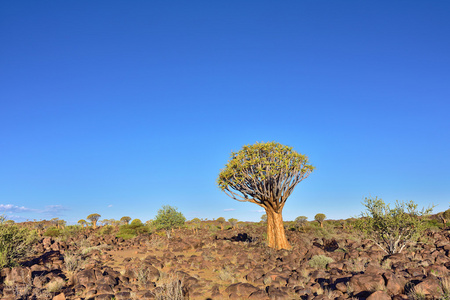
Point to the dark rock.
(379, 295)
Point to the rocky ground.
(229, 264)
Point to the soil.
(332, 263)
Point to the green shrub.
(14, 243)
(132, 230)
(52, 232)
(107, 229)
(168, 218)
(392, 228)
(136, 223)
(320, 261)
(300, 222)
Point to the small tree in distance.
(82, 222)
(196, 222)
(320, 218)
(233, 222)
(444, 216)
(300, 222)
(168, 218)
(264, 218)
(93, 218)
(125, 220)
(265, 174)
(221, 221)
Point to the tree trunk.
(276, 235)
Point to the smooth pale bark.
(276, 235)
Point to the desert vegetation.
(397, 252)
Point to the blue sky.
(119, 108)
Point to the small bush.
(107, 229)
(55, 286)
(136, 223)
(14, 243)
(392, 228)
(320, 261)
(169, 288)
(132, 230)
(52, 232)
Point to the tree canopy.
(264, 174)
(168, 217)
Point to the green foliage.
(125, 220)
(320, 217)
(300, 222)
(233, 222)
(14, 243)
(53, 232)
(168, 217)
(132, 230)
(136, 223)
(433, 224)
(444, 216)
(258, 172)
(264, 218)
(93, 218)
(82, 222)
(70, 231)
(320, 261)
(392, 228)
(107, 229)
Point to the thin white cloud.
(52, 210)
(48, 211)
(258, 210)
(229, 209)
(13, 208)
(110, 205)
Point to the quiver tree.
(264, 218)
(221, 221)
(93, 218)
(444, 216)
(125, 220)
(82, 222)
(265, 174)
(233, 222)
(320, 218)
(196, 222)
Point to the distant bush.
(233, 222)
(107, 229)
(300, 222)
(52, 232)
(14, 243)
(132, 230)
(320, 261)
(136, 223)
(433, 224)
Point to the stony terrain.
(229, 264)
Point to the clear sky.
(121, 107)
